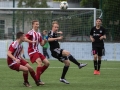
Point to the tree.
(27, 16)
(111, 15)
(90, 3)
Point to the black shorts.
(57, 53)
(100, 51)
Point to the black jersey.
(53, 44)
(97, 33)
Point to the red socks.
(40, 70)
(33, 76)
(25, 76)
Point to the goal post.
(52, 9)
(73, 21)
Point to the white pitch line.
(85, 68)
(70, 67)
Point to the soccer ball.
(63, 5)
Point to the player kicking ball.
(16, 62)
(97, 36)
(61, 54)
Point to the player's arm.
(104, 35)
(42, 43)
(21, 54)
(29, 41)
(91, 36)
(60, 32)
(9, 53)
(53, 39)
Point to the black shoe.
(37, 83)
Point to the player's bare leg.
(25, 75)
(65, 69)
(46, 65)
(72, 59)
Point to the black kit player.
(97, 36)
(61, 54)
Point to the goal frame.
(75, 9)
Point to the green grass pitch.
(80, 79)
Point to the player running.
(16, 62)
(61, 54)
(33, 51)
(97, 36)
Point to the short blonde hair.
(44, 30)
(54, 22)
(34, 21)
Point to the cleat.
(37, 83)
(41, 83)
(98, 72)
(27, 84)
(64, 81)
(82, 65)
(95, 72)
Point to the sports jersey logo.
(100, 31)
(96, 34)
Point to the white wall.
(79, 50)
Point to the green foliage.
(89, 3)
(28, 16)
(111, 17)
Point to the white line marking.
(71, 67)
(85, 68)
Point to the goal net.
(75, 23)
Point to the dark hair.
(34, 21)
(19, 34)
(99, 19)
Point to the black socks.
(97, 64)
(72, 59)
(65, 69)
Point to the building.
(6, 17)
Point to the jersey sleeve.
(40, 40)
(50, 34)
(13, 47)
(104, 31)
(28, 36)
(91, 32)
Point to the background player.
(33, 51)
(16, 62)
(61, 54)
(46, 46)
(97, 36)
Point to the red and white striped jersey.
(33, 36)
(16, 49)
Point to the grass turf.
(80, 79)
